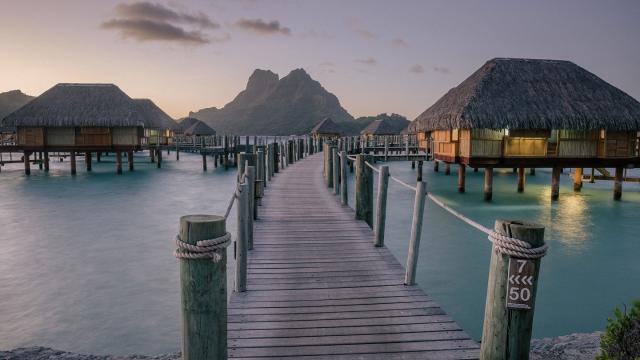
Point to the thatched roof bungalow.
(158, 126)
(532, 113)
(326, 128)
(79, 116)
(383, 127)
(199, 128)
(524, 112)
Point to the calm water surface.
(86, 262)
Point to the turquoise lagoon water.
(86, 262)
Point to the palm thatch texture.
(154, 117)
(185, 123)
(79, 105)
(383, 127)
(199, 128)
(531, 94)
(327, 127)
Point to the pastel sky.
(376, 56)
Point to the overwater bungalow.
(326, 128)
(79, 118)
(525, 113)
(158, 126)
(185, 123)
(198, 129)
(382, 127)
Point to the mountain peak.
(261, 79)
(299, 74)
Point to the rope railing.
(412, 188)
(372, 167)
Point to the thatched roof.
(384, 127)
(532, 94)
(185, 123)
(326, 126)
(199, 128)
(70, 105)
(154, 117)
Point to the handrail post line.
(242, 242)
(381, 206)
(336, 170)
(507, 331)
(416, 232)
(203, 285)
(344, 196)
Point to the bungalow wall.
(61, 136)
(526, 143)
(445, 142)
(157, 136)
(574, 143)
(125, 136)
(90, 136)
(616, 144)
(30, 136)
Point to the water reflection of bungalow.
(79, 118)
(518, 113)
(158, 126)
(326, 128)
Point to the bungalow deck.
(319, 289)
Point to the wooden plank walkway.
(319, 289)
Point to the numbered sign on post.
(520, 283)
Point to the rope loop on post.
(204, 249)
(516, 248)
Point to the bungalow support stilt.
(27, 164)
(435, 166)
(46, 161)
(520, 180)
(532, 171)
(577, 180)
(87, 160)
(461, 177)
(73, 162)
(617, 184)
(119, 162)
(555, 183)
(130, 159)
(40, 160)
(159, 159)
(447, 168)
(152, 154)
(488, 184)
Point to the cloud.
(148, 30)
(262, 27)
(327, 66)
(160, 13)
(146, 21)
(442, 69)
(399, 42)
(357, 28)
(367, 61)
(416, 69)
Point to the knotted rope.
(204, 249)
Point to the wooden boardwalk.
(318, 288)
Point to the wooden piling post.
(39, 160)
(73, 162)
(152, 154)
(555, 183)
(253, 209)
(204, 161)
(386, 148)
(328, 165)
(159, 156)
(87, 160)
(260, 167)
(435, 166)
(577, 180)
(447, 168)
(130, 159)
(419, 177)
(118, 162)
(416, 232)
(242, 241)
(203, 285)
(46, 161)
(276, 158)
(521, 179)
(177, 150)
(344, 197)
(507, 331)
(617, 184)
(462, 168)
(364, 190)
(98, 156)
(532, 171)
(381, 206)
(27, 164)
(592, 178)
(488, 184)
(336, 170)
